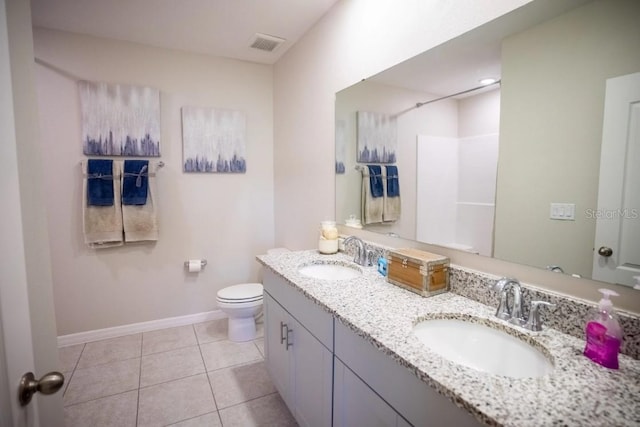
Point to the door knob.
(48, 384)
(605, 251)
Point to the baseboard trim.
(134, 328)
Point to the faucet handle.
(534, 323)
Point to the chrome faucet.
(514, 314)
(362, 255)
(511, 314)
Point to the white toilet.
(242, 303)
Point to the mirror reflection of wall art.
(213, 140)
(341, 146)
(377, 137)
(119, 120)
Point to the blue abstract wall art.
(119, 120)
(213, 140)
(377, 137)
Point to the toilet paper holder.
(203, 262)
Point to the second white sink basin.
(482, 348)
(330, 271)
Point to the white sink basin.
(328, 271)
(482, 348)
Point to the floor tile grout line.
(208, 379)
(247, 401)
(75, 366)
(188, 419)
(101, 397)
(107, 363)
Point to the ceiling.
(216, 27)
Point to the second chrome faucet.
(514, 313)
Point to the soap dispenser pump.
(604, 334)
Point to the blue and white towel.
(392, 205)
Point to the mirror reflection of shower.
(456, 173)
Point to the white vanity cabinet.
(356, 404)
(329, 375)
(394, 385)
(298, 351)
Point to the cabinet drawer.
(415, 400)
(311, 316)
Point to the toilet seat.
(241, 294)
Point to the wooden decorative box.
(421, 272)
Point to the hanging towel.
(102, 225)
(391, 205)
(375, 180)
(140, 221)
(393, 184)
(371, 206)
(99, 190)
(135, 182)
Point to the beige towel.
(102, 224)
(140, 221)
(371, 206)
(391, 205)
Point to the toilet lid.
(244, 292)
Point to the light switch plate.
(563, 211)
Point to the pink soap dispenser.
(604, 334)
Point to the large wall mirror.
(512, 170)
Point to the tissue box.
(421, 272)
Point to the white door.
(616, 256)
(16, 334)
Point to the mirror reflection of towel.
(391, 205)
(393, 183)
(375, 180)
(371, 206)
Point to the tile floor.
(184, 376)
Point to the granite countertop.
(578, 392)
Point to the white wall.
(224, 218)
(354, 40)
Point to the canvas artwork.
(213, 140)
(119, 120)
(377, 137)
(341, 146)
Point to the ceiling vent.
(266, 42)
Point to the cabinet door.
(276, 354)
(312, 378)
(355, 404)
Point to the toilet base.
(242, 329)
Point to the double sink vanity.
(346, 348)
